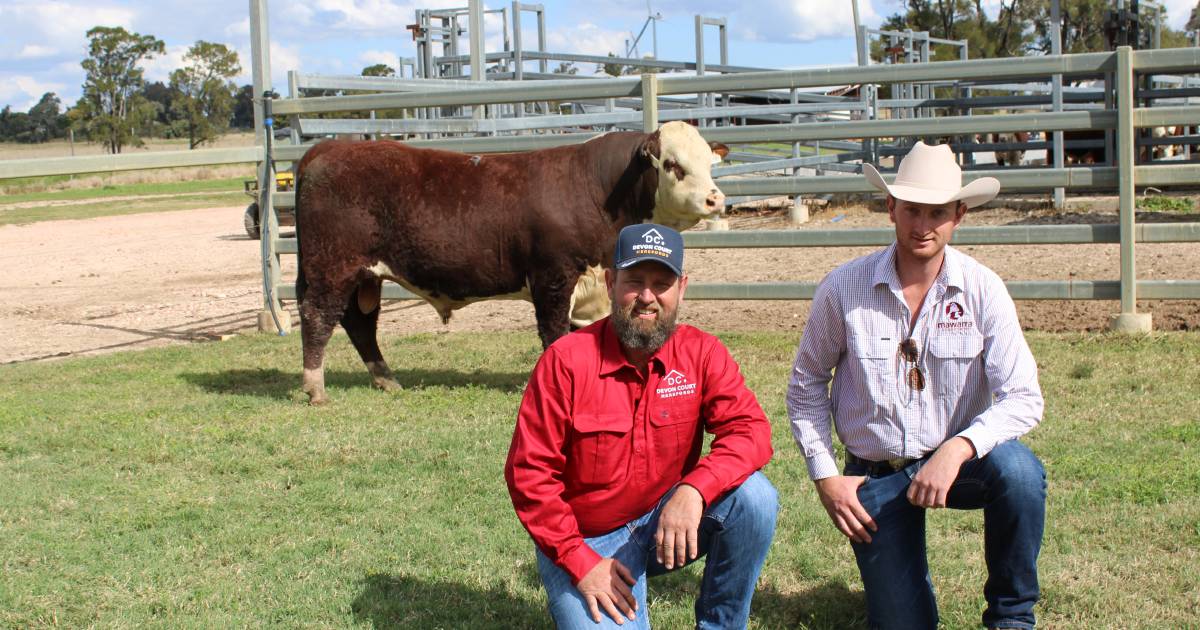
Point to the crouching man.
(605, 468)
(932, 384)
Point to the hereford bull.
(455, 228)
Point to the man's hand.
(607, 586)
(932, 483)
(676, 541)
(839, 495)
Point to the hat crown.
(649, 242)
(929, 167)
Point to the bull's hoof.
(386, 384)
(316, 396)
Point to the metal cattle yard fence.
(824, 120)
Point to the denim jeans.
(735, 533)
(1009, 483)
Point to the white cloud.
(160, 67)
(796, 21)
(34, 51)
(372, 57)
(283, 58)
(239, 29)
(584, 39)
(1178, 12)
(54, 25)
(23, 91)
(375, 17)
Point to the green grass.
(134, 199)
(121, 190)
(1160, 203)
(191, 487)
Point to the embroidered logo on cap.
(655, 245)
(652, 236)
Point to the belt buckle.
(898, 463)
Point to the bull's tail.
(301, 282)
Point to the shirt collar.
(951, 274)
(952, 269)
(885, 269)
(612, 357)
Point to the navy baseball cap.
(649, 241)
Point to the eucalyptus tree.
(111, 108)
(202, 93)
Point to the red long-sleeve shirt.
(597, 445)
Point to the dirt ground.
(137, 281)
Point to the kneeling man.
(932, 385)
(605, 468)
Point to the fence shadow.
(402, 602)
(278, 384)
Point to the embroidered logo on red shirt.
(675, 384)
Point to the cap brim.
(976, 193)
(625, 264)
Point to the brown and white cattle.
(455, 228)
(1007, 157)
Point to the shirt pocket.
(953, 358)
(676, 428)
(600, 448)
(874, 354)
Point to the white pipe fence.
(647, 90)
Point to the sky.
(43, 41)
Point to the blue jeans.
(1009, 483)
(735, 532)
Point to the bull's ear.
(651, 148)
(719, 149)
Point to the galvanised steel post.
(1056, 97)
(260, 66)
(260, 52)
(700, 96)
(475, 24)
(518, 61)
(649, 102)
(1129, 320)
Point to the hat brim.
(976, 193)
(629, 262)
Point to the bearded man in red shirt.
(605, 468)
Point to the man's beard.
(636, 335)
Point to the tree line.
(118, 107)
(1022, 27)
(199, 102)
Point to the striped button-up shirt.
(980, 377)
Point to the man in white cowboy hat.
(932, 384)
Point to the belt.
(883, 467)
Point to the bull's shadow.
(278, 384)
(397, 601)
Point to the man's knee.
(1017, 471)
(757, 503)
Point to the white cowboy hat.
(929, 174)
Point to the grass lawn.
(190, 487)
(116, 199)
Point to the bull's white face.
(686, 191)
